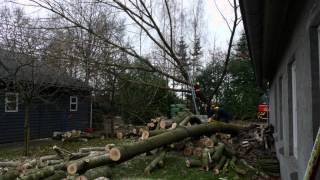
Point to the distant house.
(61, 103)
(284, 38)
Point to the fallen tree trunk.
(10, 164)
(40, 174)
(87, 163)
(10, 175)
(125, 152)
(88, 149)
(103, 171)
(193, 163)
(57, 175)
(154, 163)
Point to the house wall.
(303, 51)
(45, 118)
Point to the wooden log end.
(188, 164)
(162, 124)
(115, 154)
(81, 178)
(188, 151)
(174, 126)
(197, 151)
(145, 135)
(119, 135)
(72, 169)
(108, 147)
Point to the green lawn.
(174, 162)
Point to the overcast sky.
(215, 28)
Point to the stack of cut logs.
(205, 145)
(74, 135)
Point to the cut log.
(179, 146)
(60, 152)
(40, 174)
(49, 157)
(218, 152)
(197, 152)
(145, 135)
(88, 149)
(193, 163)
(109, 147)
(103, 171)
(181, 116)
(57, 175)
(87, 163)
(12, 174)
(239, 170)
(10, 164)
(125, 152)
(157, 132)
(225, 167)
(205, 159)
(119, 135)
(54, 162)
(173, 126)
(164, 124)
(29, 164)
(78, 155)
(188, 150)
(154, 163)
(208, 143)
(191, 120)
(221, 163)
(151, 125)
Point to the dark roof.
(20, 67)
(269, 26)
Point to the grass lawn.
(174, 168)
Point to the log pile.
(207, 146)
(74, 135)
(87, 163)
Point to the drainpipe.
(90, 123)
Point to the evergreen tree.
(195, 57)
(183, 54)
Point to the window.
(11, 102)
(73, 103)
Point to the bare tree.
(26, 74)
(233, 27)
(142, 14)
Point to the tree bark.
(103, 171)
(218, 152)
(13, 174)
(26, 129)
(58, 175)
(82, 165)
(154, 163)
(125, 152)
(193, 163)
(88, 149)
(40, 174)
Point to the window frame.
(6, 102)
(73, 103)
